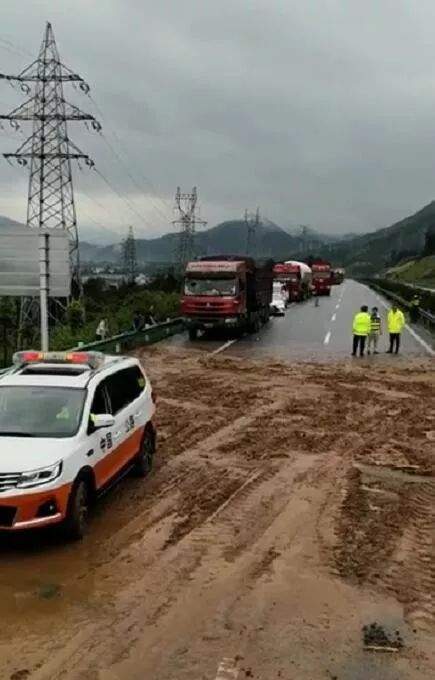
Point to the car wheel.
(76, 521)
(144, 461)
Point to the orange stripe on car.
(109, 466)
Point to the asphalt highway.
(321, 331)
(314, 332)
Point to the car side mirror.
(102, 420)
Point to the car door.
(100, 441)
(123, 390)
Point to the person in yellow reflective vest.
(361, 328)
(395, 322)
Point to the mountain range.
(360, 254)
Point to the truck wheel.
(193, 334)
(76, 521)
(144, 461)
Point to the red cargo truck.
(227, 292)
(295, 278)
(322, 277)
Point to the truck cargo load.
(296, 279)
(226, 292)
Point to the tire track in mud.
(414, 565)
(247, 439)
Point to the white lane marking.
(333, 317)
(327, 338)
(337, 306)
(223, 347)
(415, 335)
(227, 670)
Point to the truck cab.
(225, 292)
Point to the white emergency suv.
(71, 424)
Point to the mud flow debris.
(377, 639)
(283, 513)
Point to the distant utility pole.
(187, 220)
(130, 262)
(304, 235)
(252, 222)
(49, 148)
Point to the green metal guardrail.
(132, 339)
(426, 317)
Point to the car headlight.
(40, 476)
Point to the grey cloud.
(320, 112)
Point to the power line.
(123, 198)
(125, 162)
(132, 178)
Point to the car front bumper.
(33, 509)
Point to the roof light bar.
(91, 359)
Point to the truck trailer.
(226, 292)
(296, 278)
(322, 277)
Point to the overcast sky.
(321, 112)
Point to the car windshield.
(210, 287)
(40, 411)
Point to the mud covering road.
(290, 506)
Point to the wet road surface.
(317, 333)
(289, 506)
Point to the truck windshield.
(210, 287)
(40, 411)
(322, 275)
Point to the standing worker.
(375, 331)
(415, 308)
(396, 322)
(102, 330)
(361, 329)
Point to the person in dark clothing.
(415, 308)
(138, 321)
(149, 319)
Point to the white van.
(71, 424)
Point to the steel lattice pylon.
(130, 261)
(49, 149)
(187, 220)
(251, 223)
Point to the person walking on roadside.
(102, 330)
(415, 308)
(361, 329)
(396, 322)
(138, 321)
(375, 331)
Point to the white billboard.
(20, 262)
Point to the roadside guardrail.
(427, 318)
(131, 339)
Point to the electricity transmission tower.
(130, 262)
(187, 221)
(49, 150)
(251, 222)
